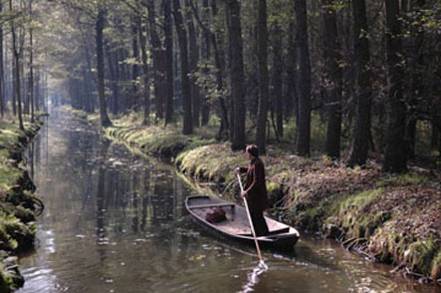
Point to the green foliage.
(166, 142)
(215, 162)
(436, 267)
(6, 280)
(421, 254)
(406, 179)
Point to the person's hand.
(237, 171)
(243, 194)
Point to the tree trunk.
(99, 27)
(183, 54)
(37, 91)
(418, 92)
(262, 55)
(303, 81)
(134, 103)
(236, 73)
(411, 138)
(277, 82)
(168, 40)
(158, 60)
(2, 71)
(31, 65)
(291, 99)
(146, 80)
(113, 79)
(89, 78)
(360, 143)
(194, 59)
(16, 53)
(206, 55)
(395, 157)
(333, 79)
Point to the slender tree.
(236, 73)
(99, 27)
(168, 40)
(17, 46)
(2, 70)
(135, 55)
(183, 54)
(395, 156)
(361, 132)
(145, 74)
(303, 81)
(193, 63)
(333, 79)
(277, 78)
(31, 65)
(262, 53)
(157, 58)
(290, 93)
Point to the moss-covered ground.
(18, 207)
(394, 219)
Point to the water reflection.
(114, 222)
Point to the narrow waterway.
(115, 222)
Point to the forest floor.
(393, 219)
(18, 206)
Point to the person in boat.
(255, 189)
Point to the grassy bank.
(18, 207)
(392, 219)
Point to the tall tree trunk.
(183, 54)
(89, 78)
(37, 91)
(99, 27)
(194, 59)
(158, 60)
(360, 143)
(395, 157)
(134, 103)
(290, 94)
(206, 55)
(277, 80)
(2, 71)
(16, 53)
(418, 68)
(31, 65)
(303, 81)
(262, 54)
(113, 80)
(168, 40)
(236, 73)
(333, 79)
(146, 79)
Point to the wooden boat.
(237, 227)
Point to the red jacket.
(255, 186)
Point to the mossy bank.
(18, 206)
(392, 219)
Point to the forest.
(343, 97)
(365, 74)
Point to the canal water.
(115, 222)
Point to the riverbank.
(392, 219)
(18, 206)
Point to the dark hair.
(253, 150)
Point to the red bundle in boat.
(216, 215)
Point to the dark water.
(115, 222)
